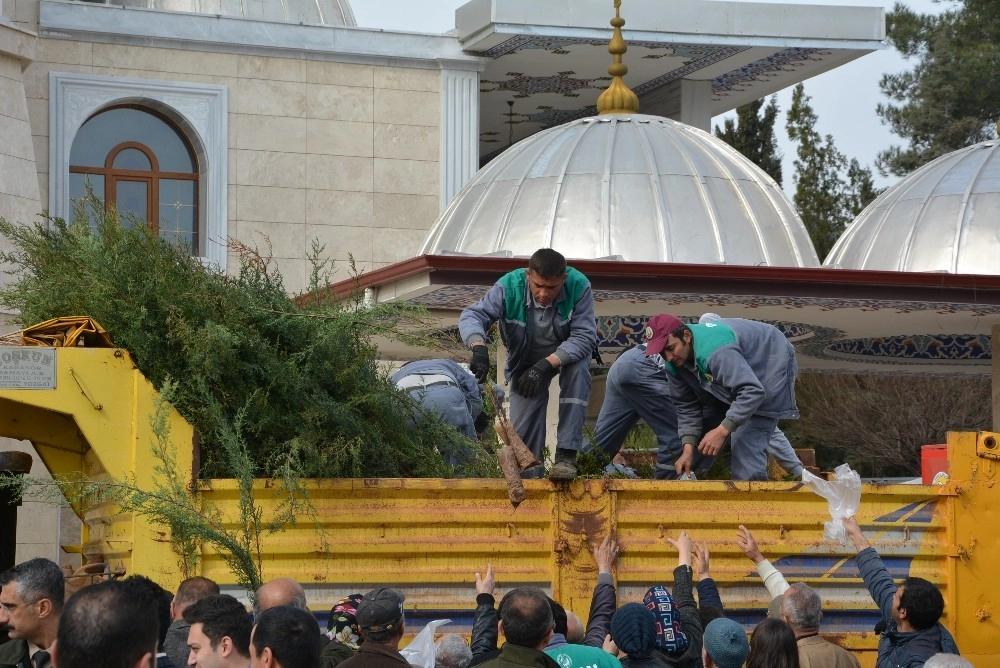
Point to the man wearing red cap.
(750, 366)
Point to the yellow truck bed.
(428, 537)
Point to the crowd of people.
(135, 623)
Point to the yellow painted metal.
(429, 537)
(97, 421)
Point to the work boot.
(564, 467)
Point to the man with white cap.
(750, 366)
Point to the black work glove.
(480, 365)
(534, 378)
(482, 422)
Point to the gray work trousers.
(753, 441)
(636, 388)
(528, 415)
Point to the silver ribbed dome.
(945, 216)
(645, 188)
(326, 12)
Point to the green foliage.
(829, 191)
(752, 134)
(950, 99)
(296, 385)
(638, 449)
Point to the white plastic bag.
(843, 496)
(421, 650)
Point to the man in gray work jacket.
(750, 366)
(545, 315)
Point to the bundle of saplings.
(297, 381)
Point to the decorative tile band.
(817, 342)
(920, 347)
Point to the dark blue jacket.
(897, 649)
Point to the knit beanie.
(670, 637)
(726, 642)
(634, 630)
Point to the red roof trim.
(701, 278)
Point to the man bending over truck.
(910, 611)
(747, 365)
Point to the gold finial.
(618, 98)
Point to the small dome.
(324, 12)
(642, 188)
(943, 217)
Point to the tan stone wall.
(23, 13)
(18, 184)
(345, 154)
(19, 200)
(43, 527)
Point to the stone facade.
(19, 194)
(338, 145)
(338, 153)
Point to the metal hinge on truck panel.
(988, 445)
(988, 450)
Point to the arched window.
(142, 163)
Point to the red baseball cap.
(657, 330)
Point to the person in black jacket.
(109, 624)
(602, 605)
(526, 625)
(910, 611)
(678, 639)
(690, 622)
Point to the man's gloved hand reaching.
(482, 422)
(535, 378)
(480, 365)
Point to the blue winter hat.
(726, 642)
(634, 630)
(670, 636)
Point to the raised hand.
(485, 585)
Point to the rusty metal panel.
(429, 537)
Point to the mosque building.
(282, 119)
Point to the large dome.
(326, 12)
(643, 188)
(943, 217)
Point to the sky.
(844, 99)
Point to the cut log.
(505, 430)
(508, 463)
